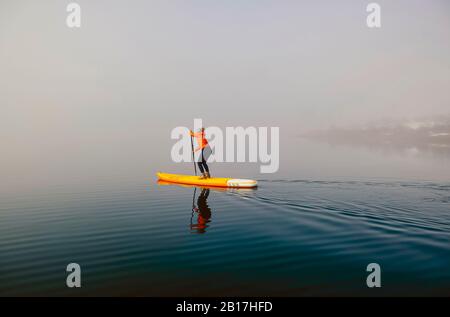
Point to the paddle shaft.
(193, 158)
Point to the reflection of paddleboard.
(213, 181)
(214, 188)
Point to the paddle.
(193, 159)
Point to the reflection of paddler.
(204, 212)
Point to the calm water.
(294, 238)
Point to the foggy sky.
(82, 98)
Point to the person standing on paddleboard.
(203, 152)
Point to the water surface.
(287, 237)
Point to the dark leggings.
(202, 164)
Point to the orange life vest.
(201, 141)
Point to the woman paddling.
(203, 152)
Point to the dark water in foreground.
(290, 238)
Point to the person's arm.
(196, 134)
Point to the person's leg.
(206, 152)
(205, 166)
(198, 160)
(200, 166)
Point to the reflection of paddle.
(193, 199)
(193, 159)
(193, 207)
